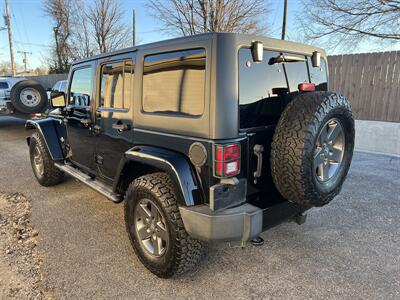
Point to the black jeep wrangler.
(216, 136)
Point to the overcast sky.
(32, 30)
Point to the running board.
(89, 181)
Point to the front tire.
(155, 227)
(42, 164)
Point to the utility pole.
(25, 54)
(8, 24)
(133, 29)
(284, 19)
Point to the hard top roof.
(241, 39)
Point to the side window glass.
(3, 85)
(296, 72)
(81, 87)
(116, 85)
(319, 75)
(174, 82)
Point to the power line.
(33, 44)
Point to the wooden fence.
(371, 81)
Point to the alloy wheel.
(151, 229)
(329, 150)
(38, 161)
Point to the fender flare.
(174, 164)
(52, 130)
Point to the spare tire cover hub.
(30, 97)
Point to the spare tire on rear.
(28, 96)
(312, 148)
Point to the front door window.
(79, 116)
(81, 87)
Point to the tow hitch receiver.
(300, 219)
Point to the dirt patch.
(20, 275)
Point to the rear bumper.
(241, 223)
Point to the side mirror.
(57, 99)
(316, 59)
(257, 51)
(49, 89)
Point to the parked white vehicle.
(19, 94)
(59, 86)
(6, 84)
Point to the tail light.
(226, 160)
(306, 87)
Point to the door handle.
(120, 127)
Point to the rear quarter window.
(174, 82)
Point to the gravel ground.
(349, 249)
(19, 259)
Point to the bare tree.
(187, 17)
(343, 23)
(105, 17)
(82, 38)
(61, 12)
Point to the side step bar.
(93, 183)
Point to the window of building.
(174, 82)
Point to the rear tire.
(312, 148)
(28, 97)
(42, 164)
(162, 245)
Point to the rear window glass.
(296, 71)
(319, 75)
(3, 85)
(262, 89)
(174, 82)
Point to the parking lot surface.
(349, 249)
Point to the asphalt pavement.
(349, 249)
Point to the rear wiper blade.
(285, 58)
